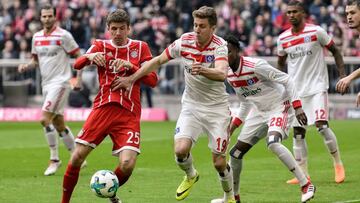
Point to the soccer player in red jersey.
(302, 47)
(114, 113)
(51, 45)
(352, 11)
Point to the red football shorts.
(111, 119)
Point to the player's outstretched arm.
(150, 66)
(218, 73)
(343, 84)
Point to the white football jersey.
(305, 57)
(258, 84)
(52, 51)
(199, 89)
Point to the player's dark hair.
(118, 16)
(206, 12)
(353, 2)
(231, 39)
(48, 7)
(297, 3)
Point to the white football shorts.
(257, 124)
(194, 120)
(315, 107)
(55, 97)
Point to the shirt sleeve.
(280, 50)
(221, 52)
(95, 47)
(150, 79)
(324, 38)
(269, 73)
(174, 50)
(145, 54)
(33, 50)
(69, 44)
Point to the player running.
(255, 81)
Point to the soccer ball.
(104, 183)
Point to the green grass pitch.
(24, 155)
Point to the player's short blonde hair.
(206, 12)
(118, 16)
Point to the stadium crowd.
(256, 23)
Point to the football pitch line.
(348, 201)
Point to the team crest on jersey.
(209, 58)
(250, 81)
(307, 39)
(134, 53)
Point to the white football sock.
(51, 137)
(226, 180)
(236, 166)
(68, 139)
(331, 143)
(288, 160)
(300, 153)
(187, 166)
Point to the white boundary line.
(348, 201)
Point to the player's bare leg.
(127, 162)
(52, 140)
(184, 160)
(332, 145)
(273, 141)
(71, 175)
(300, 152)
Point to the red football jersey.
(135, 51)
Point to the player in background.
(302, 46)
(114, 113)
(352, 12)
(255, 81)
(51, 48)
(205, 105)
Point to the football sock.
(236, 166)
(286, 157)
(331, 143)
(68, 139)
(300, 152)
(187, 166)
(121, 176)
(70, 179)
(226, 180)
(50, 136)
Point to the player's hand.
(120, 64)
(121, 82)
(342, 85)
(196, 68)
(98, 58)
(358, 100)
(22, 68)
(301, 116)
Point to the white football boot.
(52, 168)
(307, 192)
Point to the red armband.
(296, 104)
(236, 121)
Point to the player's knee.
(273, 140)
(77, 158)
(127, 166)
(45, 121)
(299, 133)
(321, 125)
(239, 150)
(181, 153)
(220, 163)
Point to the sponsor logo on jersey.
(209, 58)
(248, 92)
(134, 53)
(300, 54)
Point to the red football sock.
(70, 179)
(121, 176)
